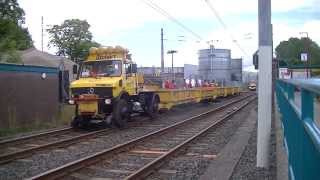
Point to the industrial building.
(216, 65)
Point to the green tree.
(288, 52)
(10, 10)
(83, 49)
(72, 38)
(13, 36)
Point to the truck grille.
(102, 92)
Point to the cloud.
(288, 5)
(283, 31)
(116, 18)
(221, 39)
(312, 27)
(105, 17)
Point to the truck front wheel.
(121, 113)
(75, 123)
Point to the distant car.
(252, 86)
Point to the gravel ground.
(2, 138)
(38, 141)
(45, 160)
(246, 167)
(192, 163)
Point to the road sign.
(304, 57)
(284, 73)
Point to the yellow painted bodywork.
(128, 84)
(88, 107)
(173, 97)
(96, 82)
(107, 53)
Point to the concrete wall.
(29, 95)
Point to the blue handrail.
(301, 134)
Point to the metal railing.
(301, 134)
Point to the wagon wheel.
(152, 107)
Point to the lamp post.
(307, 62)
(172, 52)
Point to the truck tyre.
(75, 123)
(152, 107)
(121, 113)
(80, 122)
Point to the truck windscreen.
(101, 68)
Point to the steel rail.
(61, 171)
(6, 158)
(150, 167)
(15, 140)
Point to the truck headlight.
(71, 101)
(107, 101)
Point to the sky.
(133, 24)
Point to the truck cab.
(106, 88)
(252, 85)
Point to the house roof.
(33, 56)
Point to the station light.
(71, 101)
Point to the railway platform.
(223, 166)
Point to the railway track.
(137, 158)
(25, 146)
(25, 138)
(21, 147)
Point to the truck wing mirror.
(75, 69)
(133, 68)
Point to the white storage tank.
(236, 72)
(215, 65)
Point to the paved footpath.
(237, 160)
(222, 167)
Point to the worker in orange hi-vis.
(167, 84)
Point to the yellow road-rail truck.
(107, 89)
